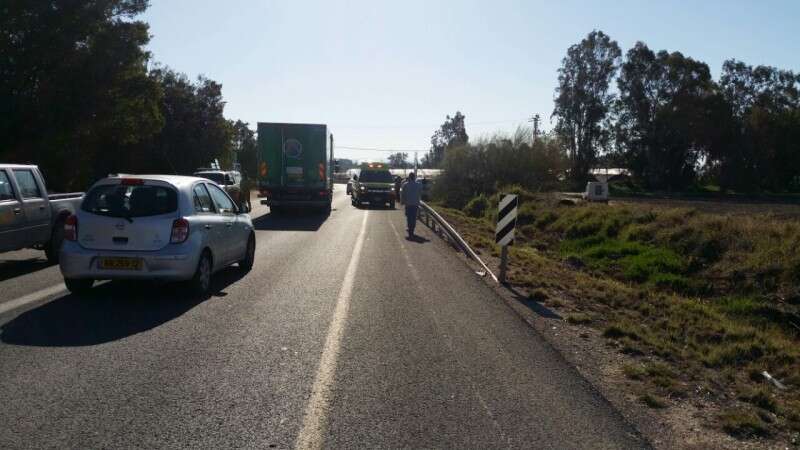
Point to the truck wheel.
(53, 247)
(78, 286)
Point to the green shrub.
(743, 424)
(545, 219)
(477, 206)
(653, 401)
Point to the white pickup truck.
(29, 216)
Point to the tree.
(245, 147)
(74, 86)
(195, 131)
(398, 160)
(483, 167)
(763, 151)
(451, 134)
(583, 99)
(663, 127)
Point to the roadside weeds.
(684, 368)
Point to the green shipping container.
(295, 164)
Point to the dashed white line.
(315, 421)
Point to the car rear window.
(375, 176)
(216, 177)
(117, 200)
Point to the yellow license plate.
(121, 263)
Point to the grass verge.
(705, 302)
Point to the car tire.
(78, 286)
(246, 265)
(53, 246)
(201, 281)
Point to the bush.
(477, 206)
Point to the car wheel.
(246, 264)
(53, 247)
(78, 285)
(201, 282)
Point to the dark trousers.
(411, 217)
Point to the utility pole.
(535, 131)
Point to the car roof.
(18, 166)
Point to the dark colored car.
(373, 186)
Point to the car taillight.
(265, 192)
(71, 228)
(180, 231)
(131, 182)
(323, 193)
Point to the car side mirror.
(355, 177)
(244, 209)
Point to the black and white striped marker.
(506, 220)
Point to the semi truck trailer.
(295, 166)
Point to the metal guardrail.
(432, 220)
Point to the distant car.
(229, 180)
(155, 227)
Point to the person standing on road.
(411, 195)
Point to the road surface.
(343, 335)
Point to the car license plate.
(121, 263)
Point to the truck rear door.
(34, 204)
(12, 216)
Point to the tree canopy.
(583, 99)
(451, 134)
(77, 98)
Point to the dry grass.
(700, 299)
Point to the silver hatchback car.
(155, 227)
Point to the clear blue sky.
(385, 74)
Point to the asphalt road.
(343, 335)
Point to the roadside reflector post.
(504, 232)
(503, 263)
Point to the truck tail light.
(180, 231)
(71, 228)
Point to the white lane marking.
(32, 297)
(314, 422)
